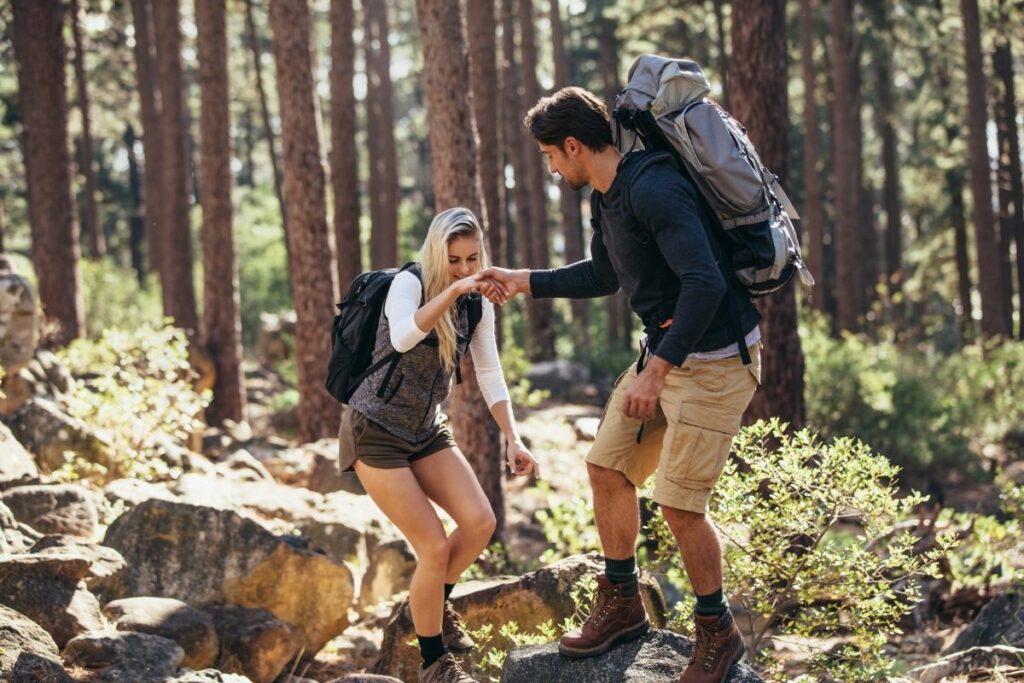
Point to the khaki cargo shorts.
(688, 441)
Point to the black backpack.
(354, 333)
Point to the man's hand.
(501, 284)
(641, 398)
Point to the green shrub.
(131, 385)
(114, 299)
(263, 275)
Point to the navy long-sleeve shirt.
(651, 238)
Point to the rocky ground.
(260, 562)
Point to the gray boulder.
(130, 492)
(33, 668)
(260, 498)
(389, 572)
(566, 380)
(19, 634)
(104, 562)
(205, 555)
(1000, 622)
(347, 526)
(48, 589)
(15, 537)
(54, 508)
(529, 600)
(657, 657)
(16, 465)
(254, 643)
(46, 431)
(190, 628)
(19, 317)
(116, 657)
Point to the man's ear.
(571, 146)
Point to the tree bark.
(136, 221)
(453, 170)
(850, 285)
(222, 323)
(312, 273)
(152, 140)
(39, 54)
(268, 128)
(481, 23)
(176, 275)
(542, 320)
(759, 101)
(986, 241)
(517, 200)
(569, 199)
(723, 50)
(1011, 194)
(380, 129)
(344, 157)
(89, 212)
(814, 212)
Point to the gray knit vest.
(405, 397)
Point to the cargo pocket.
(710, 376)
(698, 455)
(608, 403)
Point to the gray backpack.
(665, 107)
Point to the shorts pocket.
(709, 376)
(698, 455)
(608, 403)
(359, 423)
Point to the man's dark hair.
(570, 113)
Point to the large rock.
(347, 526)
(201, 554)
(986, 661)
(566, 380)
(46, 431)
(208, 676)
(254, 643)
(130, 492)
(33, 668)
(20, 634)
(54, 508)
(262, 499)
(103, 562)
(657, 657)
(116, 657)
(529, 600)
(1000, 622)
(16, 465)
(389, 572)
(49, 590)
(15, 537)
(19, 318)
(190, 628)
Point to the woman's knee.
(432, 550)
(481, 524)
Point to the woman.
(398, 440)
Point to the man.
(677, 409)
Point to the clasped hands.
(497, 284)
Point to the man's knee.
(605, 479)
(681, 520)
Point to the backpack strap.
(475, 313)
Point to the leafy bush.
(263, 276)
(114, 299)
(929, 412)
(131, 385)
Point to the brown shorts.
(362, 439)
(688, 441)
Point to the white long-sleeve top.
(400, 307)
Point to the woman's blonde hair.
(446, 226)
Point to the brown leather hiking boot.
(718, 645)
(445, 670)
(455, 637)
(614, 618)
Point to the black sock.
(713, 603)
(431, 648)
(448, 588)
(622, 573)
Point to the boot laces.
(452, 620)
(706, 648)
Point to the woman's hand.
(520, 460)
(465, 285)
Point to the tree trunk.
(759, 101)
(516, 236)
(723, 50)
(39, 53)
(814, 212)
(89, 212)
(312, 273)
(535, 233)
(990, 281)
(608, 60)
(344, 157)
(136, 221)
(453, 170)
(866, 226)
(1011, 194)
(222, 323)
(152, 140)
(176, 275)
(380, 129)
(569, 199)
(850, 287)
(268, 128)
(483, 72)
